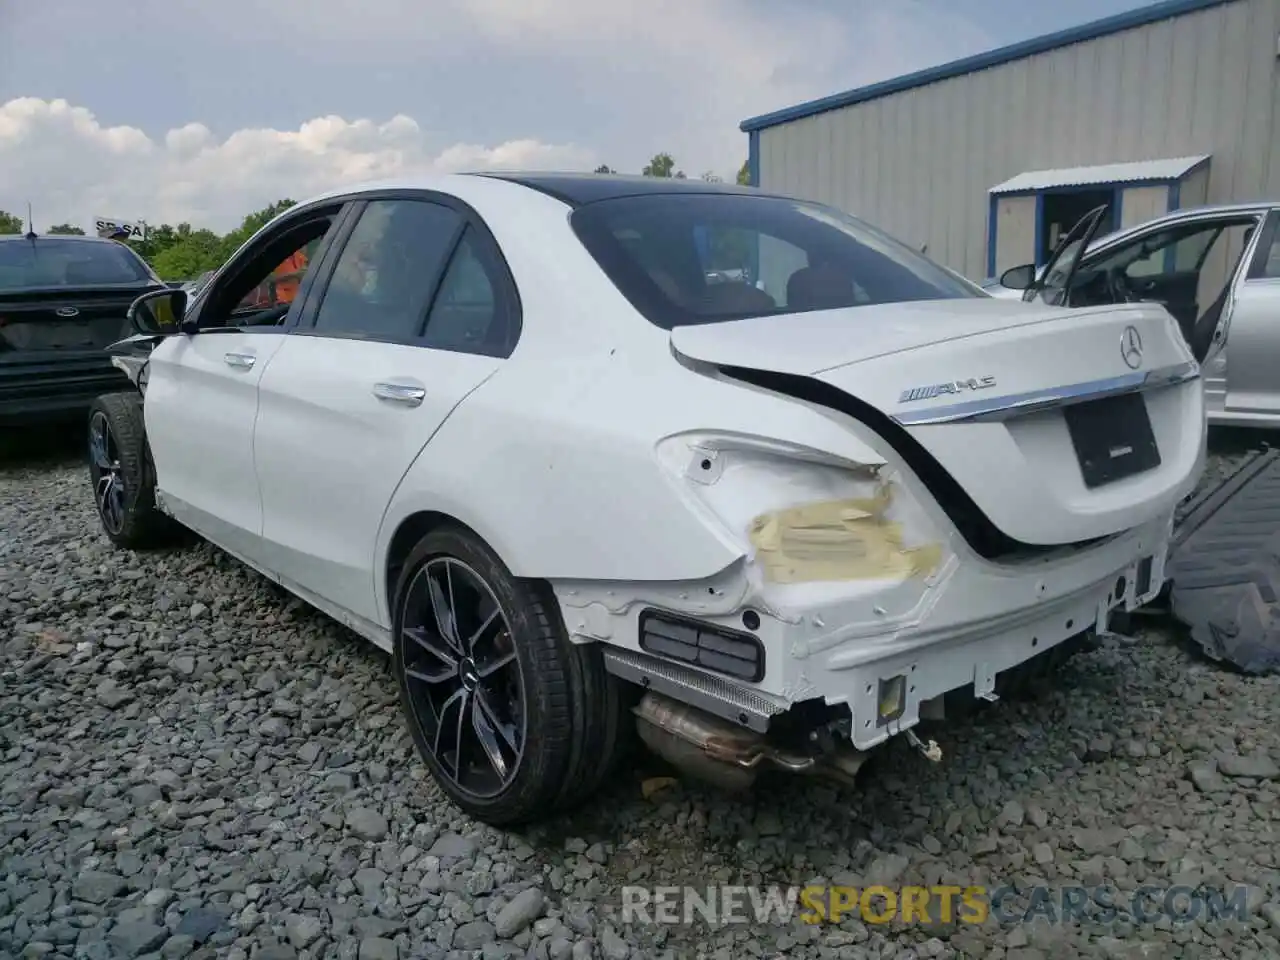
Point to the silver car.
(1215, 268)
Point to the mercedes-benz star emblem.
(1131, 348)
(67, 312)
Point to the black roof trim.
(54, 236)
(577, 189)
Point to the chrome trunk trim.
(1020, 404)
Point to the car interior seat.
(1201, 336)
(820, 287)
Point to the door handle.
(403, 393)
(241, 361)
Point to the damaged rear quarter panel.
(556, 465)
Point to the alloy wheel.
(108, 477)
(463, 677)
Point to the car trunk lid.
(48, 324)
(1029, 408)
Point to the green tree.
(191, 253)
(252, 224)
(744, 174)
(9, 223)
(159, 238)
(605, 168)
(66, 230)
(662, 165)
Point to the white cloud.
(683, 74)
(485, 83)
(72, 168)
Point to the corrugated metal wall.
(919, 163)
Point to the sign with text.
(132, 230)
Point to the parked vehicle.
(63, 301)
(509, 432)
(1217, 270)
(193, 287)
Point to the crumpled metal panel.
(1224, 565)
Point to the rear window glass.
(705, 258)
(45, 262)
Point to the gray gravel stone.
(519, 913)
(134, 938)
(473, 935)
(95, 887)
(367, 824)
(1254, 767)
(214, 771)
(378, 948)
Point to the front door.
(207, 475)
(417, 314)
(1187, 265)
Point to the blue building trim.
(1175, 201)
(993, 212)
(1128, 20)
(1041, 254)
(753, 158)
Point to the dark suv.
(63, 299)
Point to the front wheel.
(496, 697)
(121, 473)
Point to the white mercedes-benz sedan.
(593, 456)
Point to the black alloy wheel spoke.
(108, 480)
(463, 676)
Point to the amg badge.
(938, 389)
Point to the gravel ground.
(195, 765)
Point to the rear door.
(202, 387)
(1251, 358)
(419, 310)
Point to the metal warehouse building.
(986, 160)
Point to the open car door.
(1054, 282)
(1190, 266)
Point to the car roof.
(572, 189)
(577, 189)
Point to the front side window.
(1186, 268)
(1271, 265)
(707, 258)
(51, 262)
(1176, 250)
(384, 278)
(282, 284)
(258, 287)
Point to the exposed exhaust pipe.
(717, 751)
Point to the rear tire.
(122, 474)
(513, 720)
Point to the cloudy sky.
(200, 111)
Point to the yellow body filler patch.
(838, 540)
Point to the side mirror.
(158, 313)
(1018, 278)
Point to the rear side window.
(468, 314)
(385, 276)
(711, 257)
(51, 262)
